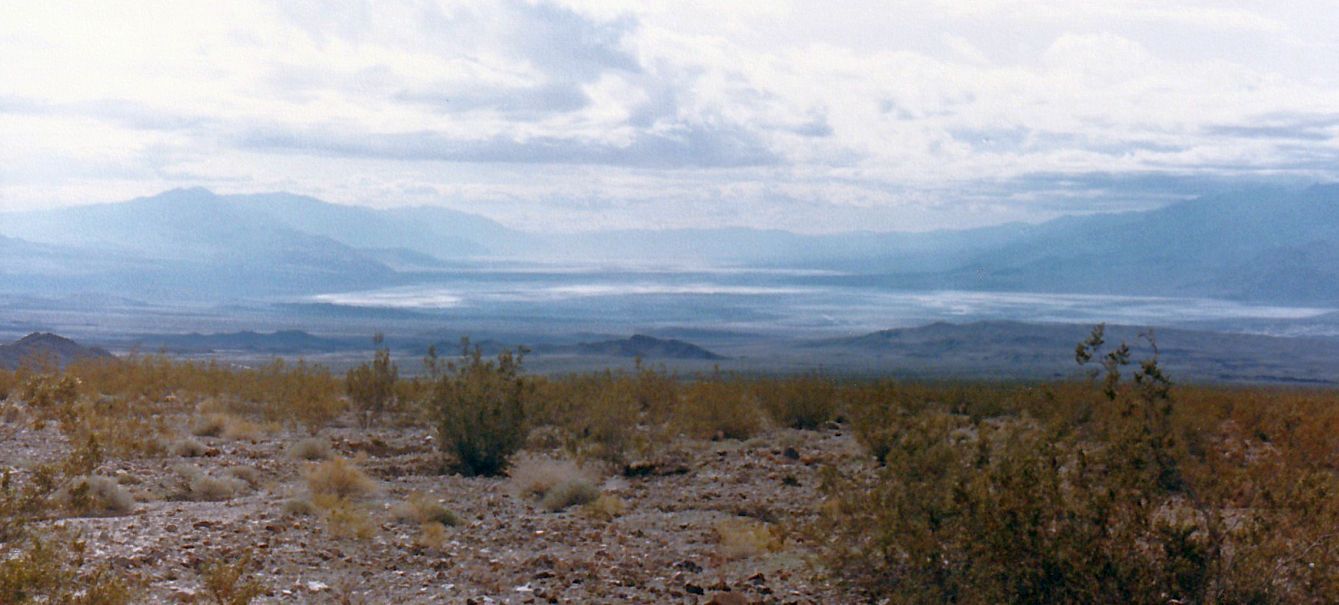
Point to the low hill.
(41, 346)
(646, 347)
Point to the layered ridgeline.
(1267, 245)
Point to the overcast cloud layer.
(813, 116)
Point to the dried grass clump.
(299, 507)
(431, 535)
(96, 494)
(605, 508)
(203, 487)
(343, 517)
(339, 478)
(556, 483)
(744, 538)
(209, 425)
(419, 508)
(247, 474)
(188, 448)
(310, 449)
(211, 488)
(534, 476)
(569, 493)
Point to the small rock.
(691, 588)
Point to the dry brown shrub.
(188, 448)
(339, 478)
(343, 517)
(745, 538)
(97, 494)
(717, 408)
(420, 508)
(310, 449)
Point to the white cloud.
(816, 116)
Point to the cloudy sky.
(812, 116)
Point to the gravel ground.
(663, 548)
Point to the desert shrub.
(8, 381)
(597, 414)
(431, 535)
(718, 408)
(421, 509)
(230, 583)
(338, 477)
(343, 517)
(479, 407)
(533, 476)
(96, 494)
(803, 402)
(188, 448)
(45, 391)
(573, 492)
(248, 474)
(371, 386)
(311, 448)
(555, 483)
(299, 507)
(207, 487)
(743, 538)
(50, 569)
(606, 507)
(1117, 493)
(209, 425)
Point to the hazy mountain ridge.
(1269, 244)
(42, 347)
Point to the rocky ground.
(666, 545)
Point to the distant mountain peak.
(40, 346)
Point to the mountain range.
(1276, 245)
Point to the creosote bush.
(718, 407)
(802, 402)
(371, 386)
(1122, 492)
(230, 583)
(478, 407)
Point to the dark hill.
(41, 346)
(645, 347)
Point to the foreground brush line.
(200, 481)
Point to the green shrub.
(478, 407)
(371, 386)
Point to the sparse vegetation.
(1119, 488)
(230, 583)
(371, 386)
(310, 449)
(421, 509)
(478, 407)
(744, 538)
(339, 478)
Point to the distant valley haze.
(759, 185)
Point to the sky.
(809, 116)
